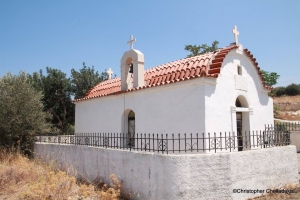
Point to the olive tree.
(21, 112)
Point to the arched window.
(238, 103)
(131, 128)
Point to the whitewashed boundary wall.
(295, 139)
(184, 176)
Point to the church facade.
(221, 91)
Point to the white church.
(221, 91)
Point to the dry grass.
(281, 196)
(22, 178)
(283, 99)
(273, 197)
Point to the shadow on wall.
(210, 91)
(262, 97)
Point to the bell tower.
(132, 66)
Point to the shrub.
(275, 111)
(21, 112)
(292, 89)
(279, 91)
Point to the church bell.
(131, 68)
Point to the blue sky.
(64, 34)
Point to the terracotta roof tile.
(207, 65)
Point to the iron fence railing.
(176, 143)
(284, 126)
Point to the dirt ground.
(288, 107)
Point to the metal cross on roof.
(131, 41)
(235, 33)
(109, 72)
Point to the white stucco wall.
(175, 108)
(295, 139)
(222, 97)
(184, 176)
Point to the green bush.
(275, 111)
(21, 113)
(279, 91)
(292, 89)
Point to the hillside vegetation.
(23, 178)
(288, 107)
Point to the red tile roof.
(205, 65)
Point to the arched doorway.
(131, 128)
(239, 125)
(242, 122)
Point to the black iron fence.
(176, 143)
(284, 126)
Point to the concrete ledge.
(295, 140)
(184, 176)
